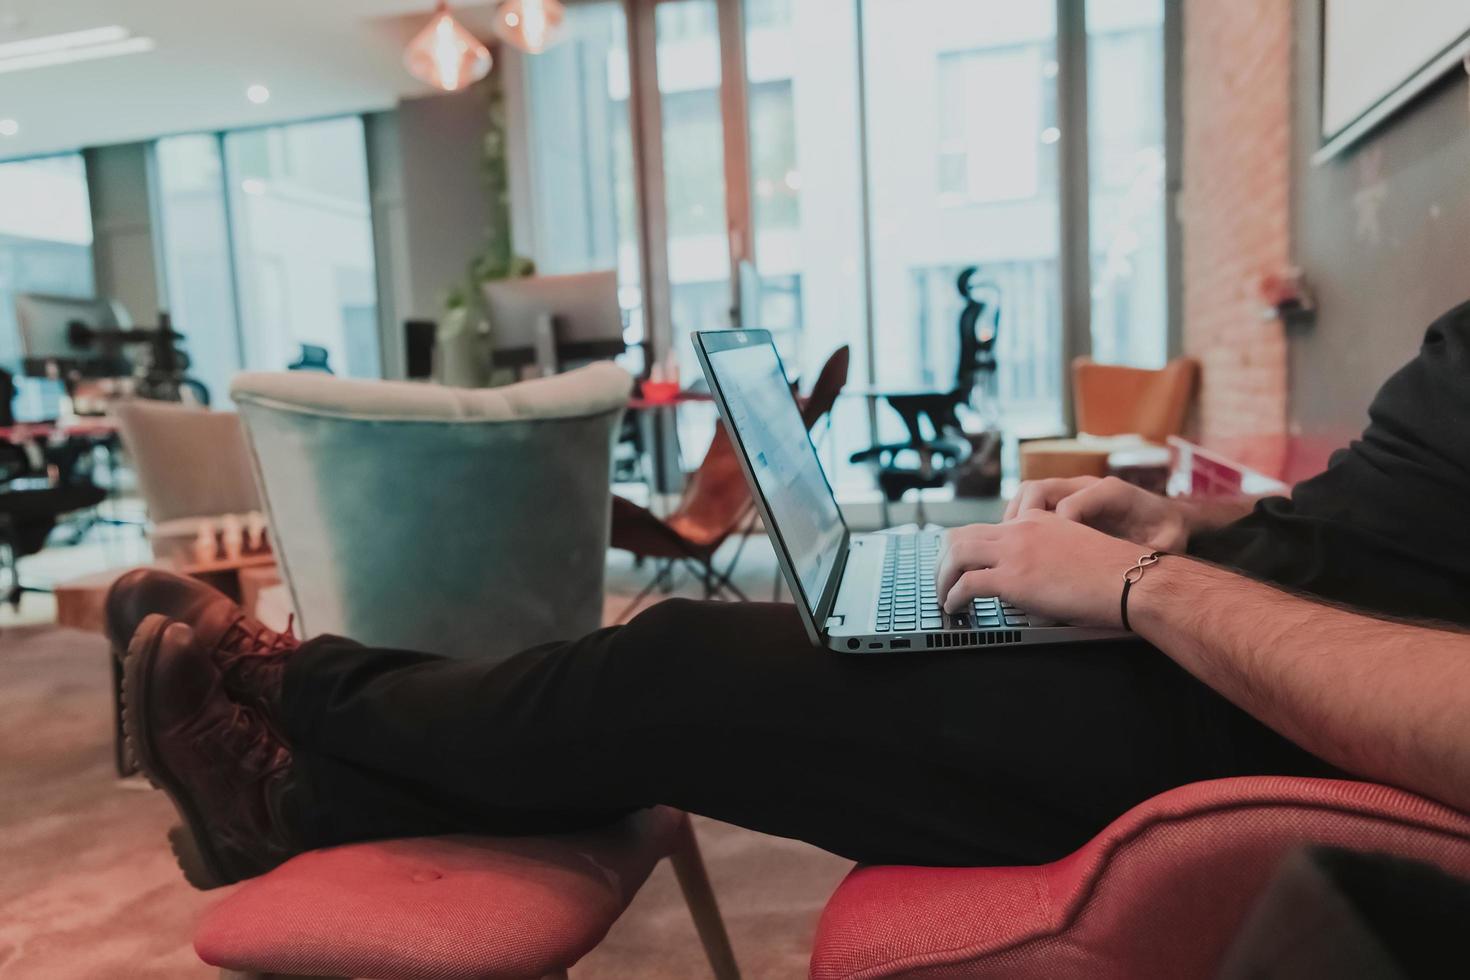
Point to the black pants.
(994, 757)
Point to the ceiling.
(317, 57)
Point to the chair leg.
(658, 577)
(694, 882)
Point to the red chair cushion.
(1160, 892)
(438, 908)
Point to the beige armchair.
(191, 464)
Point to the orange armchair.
(1161, 892)
(1112, 400)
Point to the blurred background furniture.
(1112, 400)
(499, 503)
(32, 501)
(1162, 891)
(1121, 411)
(79, 340)
(716, 503)
(192, 466)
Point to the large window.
(267, 248)
(45, 238)
(194, 233)
(304, 244)
(1125, 120)
(892, 144)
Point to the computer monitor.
(586, 320)
(45, 323)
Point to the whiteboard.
(1377, 54)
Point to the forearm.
(1387, 701)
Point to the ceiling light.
(258, 94)
(446, 55)
(531, 25)
(9, 127)
(73, 46)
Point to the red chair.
(455, 908)
(1160, 893)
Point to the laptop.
(859, 593)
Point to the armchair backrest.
(460, 522)
(190, 462)
(1112, 400)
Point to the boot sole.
(202, 867)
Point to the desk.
(658, 427)
(23, 432)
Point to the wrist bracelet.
(1133, 575)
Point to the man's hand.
(1042, 562)
(1111, 506)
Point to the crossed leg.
(1001, 756)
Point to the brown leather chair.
(716, 504)
(1112, 400)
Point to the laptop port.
(899, 644)
(854, 643)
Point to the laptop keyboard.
(909, 598)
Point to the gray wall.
(1383, 233)
(122, 228)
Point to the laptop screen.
(769, 430)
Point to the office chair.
(945, 445)
(32, 501)
(313, 358)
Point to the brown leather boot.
(250, 655)
(226, 770)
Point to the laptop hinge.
(828, 598)
(834, 621)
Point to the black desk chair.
(31, 501)
(926, 459)
(30, 507)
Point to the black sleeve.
(1387, 526)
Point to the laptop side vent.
(973, 638)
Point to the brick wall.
(1234, 211)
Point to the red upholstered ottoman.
(445, 908)
(1160, 893)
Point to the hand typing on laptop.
(1065, 543)
(1126, 511)
(1042, 562)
